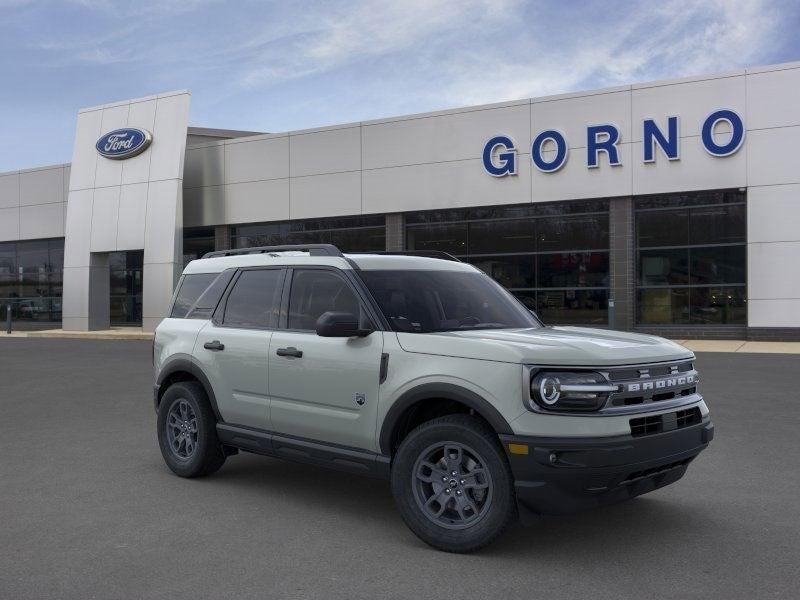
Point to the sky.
(283, 65)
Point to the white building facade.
(669, 207)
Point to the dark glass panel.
(316, 291)
(198, 232)
(190, 290)
(359, 240)
(425, 301)
(720, 264)
(662, 228)
(502, 236)
(719, 306)
(664, 267)
(56, 250)
(194, 248)
(436, 216)
(448, 238)
(9, 285)
(718, 224)
(254, 299)
(308, 237)
(125, 309)
(125, 272)
(33, 257)
(583, 307)
(663, 306)
(508, 271)
(520, 211)
(690, 199)
(8, 258)
(566, 208)
(572, 233)
(573, 269)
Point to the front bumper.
(566, 475)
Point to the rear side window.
(254, 300)
(191, 288)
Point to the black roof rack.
(424, 253)
(312, 249)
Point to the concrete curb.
(132, 333)
(120, 333)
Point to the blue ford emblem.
(123, 143)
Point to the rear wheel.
(187, 432)
(452, 484)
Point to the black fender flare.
(448, 391)
(184, 363)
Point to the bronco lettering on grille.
(660, 384)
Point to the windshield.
(428, 301)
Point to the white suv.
(423, 370)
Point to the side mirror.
(340, 324)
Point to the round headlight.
(570, 390)
(549, 390)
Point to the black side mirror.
(340, 324)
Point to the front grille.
(667, 422)
(652, 383)
(632, 373)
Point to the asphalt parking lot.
(88, 509)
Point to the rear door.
(321, 388)
(232, 348)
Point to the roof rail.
(424, 253)
(312, 249)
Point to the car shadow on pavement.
(628, 527)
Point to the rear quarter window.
(192, 286)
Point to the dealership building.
(670, 207)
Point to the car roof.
(366, 262)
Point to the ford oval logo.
(123, 143)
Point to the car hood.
(577, 346)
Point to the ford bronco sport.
(421, 369)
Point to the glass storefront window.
(197, 242)
(578, 307)
(688, 246)
(349, 234)
(490, 237)
(450, 238)
(126, 287)
(574, 269)
(31, 279)
(553, 257)
(573, 233)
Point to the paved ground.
(88, 510)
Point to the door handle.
(215, 345)
(290, 351)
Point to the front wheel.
(187, 431)
(452, 484)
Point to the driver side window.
(317, 291)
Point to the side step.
(331, 456)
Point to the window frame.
(367, 303)
(218, 318)
(688, 206)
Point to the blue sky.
(276, 66)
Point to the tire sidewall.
(472, 433)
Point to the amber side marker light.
(518, 448)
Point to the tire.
(199, 453)
(475, 506)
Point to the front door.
(321, 388)
(232, 349)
